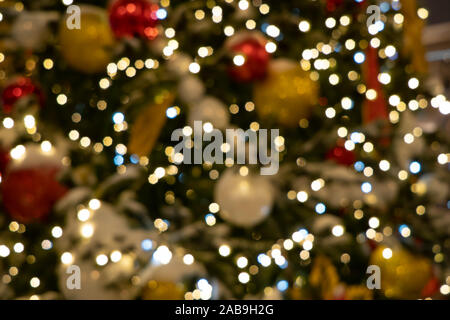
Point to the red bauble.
(332, 5)
(20, 88)
(342, 156)
(253, 49)
(5, 158)
(134, 18)
(431, 288)
(29, 194)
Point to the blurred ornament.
(178, 64)
(332, 5)
(431, 288)
(31, 29)
(324, 277)
(250, 47)
(412, 36)
(211, 110)
(342, 156)
(162, 290)
(88, 49)
(287, 95)
(30, 186)
(358, 292)
(134, 18)
(5, 158)
(19, 89)
(191, 89)
(375, 108)
(144, 136)
(403, 275)
(244, 201)
(29, 195)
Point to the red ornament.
(332, 5)
(376, 109)
(342, 156)
(29, 194)
(253, 49)
(5, 158)
(20, 88)
(431, 288)
(134, 18)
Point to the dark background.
(439, 10)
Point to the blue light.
(118, 160)
(161, 14)
(359, 57)
(134, 159)
(359, 166)
(171, 112)
(282, 285)
(147, 245)
(118, 117)
(380, 25)
(264, 27)
(415, 167)
(320, 208)
(355, 137)
(366, 187)
(208, 216)
(384, 6)
(359, 1)
(284, 265)
(396, 5)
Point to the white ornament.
(244, 201)
(178, 64)
(210, 110)
(31, 30)
(191, 89)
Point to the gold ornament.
(358, 292)
(403, 275)
(412, 36)
(147, 127)
(324, 277)
(163, 290)
(287, 95)
(87, 49)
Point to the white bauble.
(244, 201)
(31, 30)
(209, 109)
(178, 64)
(191, 89)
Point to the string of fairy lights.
(317, 60)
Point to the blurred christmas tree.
(90, 176)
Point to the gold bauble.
(403, 276)
(163, 290)
(287, 95)
(87, 49)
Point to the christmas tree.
(224, 149)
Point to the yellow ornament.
(163, 290)
(287, 95)
(324, 277)
(412, 36)
(144, 136)
(87, 49)
(403, 275)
